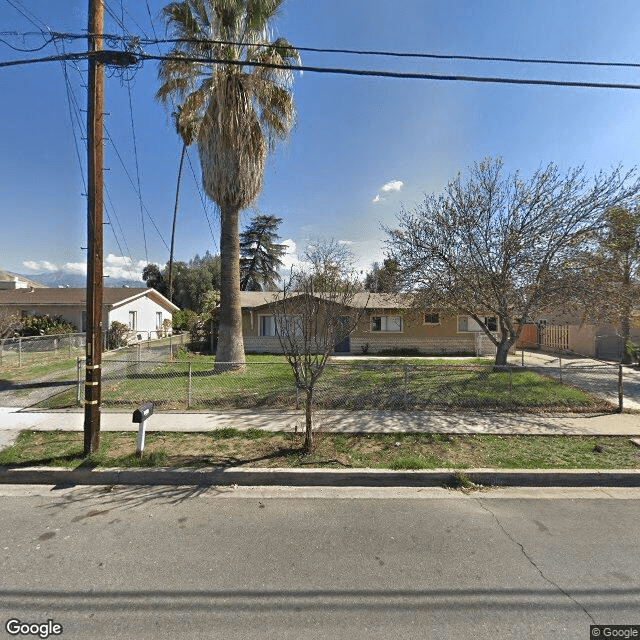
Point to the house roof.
(255, 299)
(111, 297)
(7, 276)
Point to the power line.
(126, 171)
(135, 156)
(202, 200)
(395, 74)
(115, 57)
(31, 17)
(397, 54)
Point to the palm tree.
(243, 109)
(187, 129)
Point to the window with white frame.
(431, 318)
(389, 324)
(280, 325)
(133, 320)
(158, 320)
(466, 324)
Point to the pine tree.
(260, 255)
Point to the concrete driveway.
(594, 376)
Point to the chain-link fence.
(26, 350)
(196, 384)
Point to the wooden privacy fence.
(556, 337)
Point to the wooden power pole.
(95, 135)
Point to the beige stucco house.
(387, 322)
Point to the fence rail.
(27, 350)
(23, 350)
(195, 384)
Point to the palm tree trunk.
(230, 343)
(175, 215)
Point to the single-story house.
(143, 310)
(387, 322)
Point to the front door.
(343, 345)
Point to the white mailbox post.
(140, 416)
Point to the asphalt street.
(180, 562)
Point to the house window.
(283, 325)
(158, 320)
(391, 324)
(133, 320)
(431, 318)
(267, 326)
(467, 324)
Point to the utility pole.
(95, 135)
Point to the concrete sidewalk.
(12, 421)
(338, 421)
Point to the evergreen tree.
(260, 255)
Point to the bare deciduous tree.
(9, 322)
(616, 266)
(314, 313)
(497, 245)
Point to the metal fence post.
(79, 378)
(189, 388)
(620, 389)
(406, 375)
(19, 352)
(560, 361)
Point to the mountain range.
(63, 279)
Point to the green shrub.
(45, 326)
(117, 335)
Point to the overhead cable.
(119, 60)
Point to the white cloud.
(114, 267)
(79, 268)
(290, 258)
(347, 242)
(394, 185)
(123, 267)
(40, 266)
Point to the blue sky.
(362, 147)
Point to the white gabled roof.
(77, 297)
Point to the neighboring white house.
(143, 310)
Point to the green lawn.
(268, 381)
(255, 448)
(39, 365)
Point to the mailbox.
(143, 412)
(140, 416)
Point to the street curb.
(218, 476)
